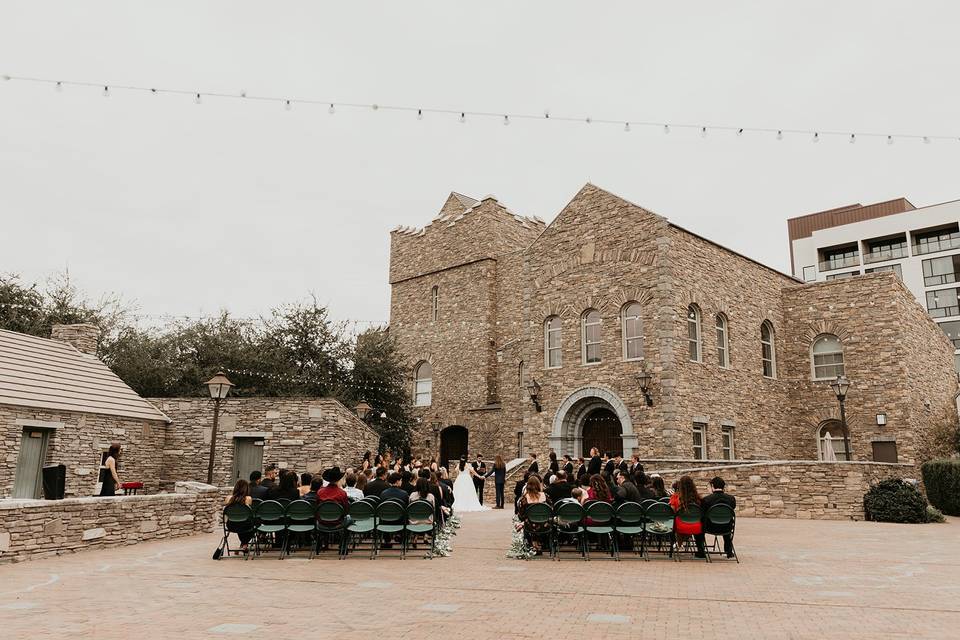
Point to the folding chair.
(390, 521)
(363, 515)
(237, 514)
(722, 520)
(271, 521)
(537, 524)
(330, 524)
(301, 522)
(630, 522)
(420, 510)
(692, 514)
(599, 521)
(660, 527)
(568, 522)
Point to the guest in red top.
(685, 495)
(333, 491)
(598, 490)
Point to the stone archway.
(567, 433)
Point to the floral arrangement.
(449, 529)
(519, 549)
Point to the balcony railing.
(885, 254)
(840, 262)
(942, 243)
(944, 312)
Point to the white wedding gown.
(465, 494)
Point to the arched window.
(521, 375)
(723, 344)
(830, 443)
(590, 336)
(423, 384)
(435, 303)
(693, 332)
(827, 357)
(552, 352)
(632, 331)
(768, 353)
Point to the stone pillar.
(82, 336)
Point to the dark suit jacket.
(259, 491)
(534, 467)
(595, 465)
(568, 469)
(610, 467)
(375, 487)
(395, 493)
(717, 497)
(481, 470)
(558, 491)
(628, 492)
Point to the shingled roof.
(49, 374)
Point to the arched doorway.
(601, 429)
(453, 444)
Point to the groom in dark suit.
(481, 468)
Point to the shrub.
(942, 481)
(894, 500)
(934, 514)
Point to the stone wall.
(795, 489)
(77, 440)
(304, 434)
(38, 528)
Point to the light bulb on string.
(506, 120)
(889, 139)
(59, 86)
(332, 110)
(588, 120)
(926, 140)
(106, 91)
(666, 128)
(419, 114)
(853, 138)
(816, 136)
(197, 99)
(703, 132)
(374, 106)
(287, 105)
(626, 126)
(463, 117)
(6, 77)
(546, 113)
(779, 135)
(740, 131)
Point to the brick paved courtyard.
(797, 579)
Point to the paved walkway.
(797, 579)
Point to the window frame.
(727, 446)
(821, 440)
(435, 303)
(693, 322)
(547, 331)
(701, 429)
(834, 365)
(418, 381)
(625, 317)
(585, 343)
(772, 343)
(722, 326)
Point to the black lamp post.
(840, 387)
(643, 380)
(219, 387)
(534, 389)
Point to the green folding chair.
(721, 518)
(630, 522)
(237, 514)
(271, 522)
(420, 510)
(659, 527)
(599, 520)
(693, 514)
(330, 524)
(568, 523)
(301, 523)
(538, 524)
(363, 514)
(391, 519)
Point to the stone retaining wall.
(795, 489)
(38, 528)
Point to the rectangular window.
(889, 249)
(943, 303)
(521, 375)
(519, 444)
(839, 257)
(723, 356)
(827, 366)
(423, 392)
(809, 273)
(944, 270)
(934, 240)
(699, 441)
(884, 451)
(727, 436)
(839, 276)
(435, 304)
(952, 329)
(888, 267)
(591, 338)
(554, 355)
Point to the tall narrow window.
(768, 353)
(693, 332)
(521, 374)
(519, 444)
(723, 345)
(435, 303)
(699, 441)
(423, 385)
(727, 436)
(827, 357)
(553, 356)
(632, 331)
(591, 336)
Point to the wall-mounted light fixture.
(643, 380)
(882, 419)
(534, 389)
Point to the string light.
(462, 114)
(332, 110)
(853, 138)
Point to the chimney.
(82, 336)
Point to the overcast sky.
(188, 208)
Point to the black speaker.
(54, 481)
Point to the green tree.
(21, 307)
(379, 378)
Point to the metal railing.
(840, 262)
(942, 243)
(885, 254)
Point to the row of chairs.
(649, 526)
(301, 523)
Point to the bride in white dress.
(464, 492)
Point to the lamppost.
(363, 410)
(534, 390)
(840, 387)
(219, 387)
(643, 380)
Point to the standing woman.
(109, 479)
(554, 465)
(365, 464)
(499, 474)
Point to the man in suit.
(635, 465)
(595, 465)
(257, 490)
(394, 492)
(718, 496)
(407, 483)
(481, 468)
(559, 488)
(626, 490)
(609, 465)
(376, 486)
(568, 465)
(269, 476)
(534, 466)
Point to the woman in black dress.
(109, 480)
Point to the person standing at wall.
(499, 474)
(109, 480)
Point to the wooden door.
(601, 429)
(33, 449)
(247, 457)
(453, 444)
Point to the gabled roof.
(49, 374)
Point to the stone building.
(487, 304)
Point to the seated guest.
(241, 495)
(718, 496)
(270, 476)
(407, 481)
(376, 486)
(422, 491)
(599, 489)
(257, 490)
(559, 488)
(518, 491)
(315, 485)
(306, 479)
(686, 495)
(361, 483)
(333, 492)
(642, 482)
(579, 494)
(394, 492)
(627, 491)
(286, 489)
(353, 492)
(532, 494)
(656, 483)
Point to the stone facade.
(499, 277)
(304, 434)
(38, 528)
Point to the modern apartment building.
(921, 245)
